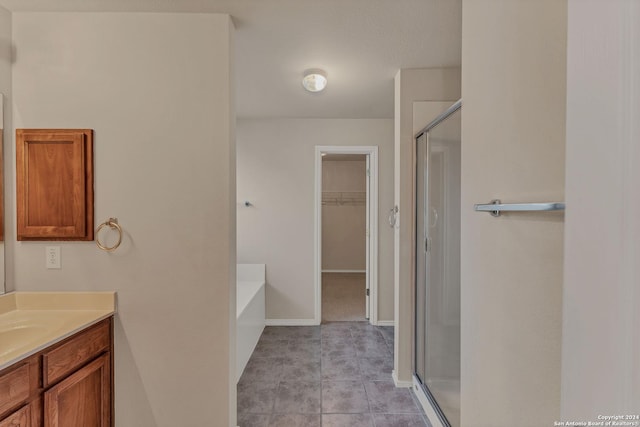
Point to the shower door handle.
(427, 244)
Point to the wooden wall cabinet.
(69, 384)
(54, 184)
(1, 171)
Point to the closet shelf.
(340, 198)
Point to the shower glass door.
(437, 292)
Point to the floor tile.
(253, 420)
(304, 332)
(338, 347)
(263, 369)
(344, 397)
(366, 333)
(389, 341)
(376, 368)
(335, 327)
(384, 397)
(388, 333)
(399, 420)
(335, 333)
(256, 397)
(307, 348)
(298, 397)
(276, 333)
(369, 339)
(362, 326)
(300, 369)
(390, 346)
(294, 420)
(346, 420)
(340, 369)
(371, 346)
(269, 348)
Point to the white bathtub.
(250, 312)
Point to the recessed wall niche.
(54, 184)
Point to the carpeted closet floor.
(343, 297)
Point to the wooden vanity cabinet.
(69, 384)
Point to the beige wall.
(276, 173)
(601, 320)
(157, 90)
(513, 145)
(5, 89)
(438, 84)
(344, 241)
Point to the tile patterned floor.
(334, 375)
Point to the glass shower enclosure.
(437, 275)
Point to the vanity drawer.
(75, 352)
(14, 387)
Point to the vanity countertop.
(32, 321)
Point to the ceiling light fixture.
(314, 80)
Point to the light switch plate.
(52, 257)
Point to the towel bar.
(496, 206)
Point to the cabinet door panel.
(20, 418)
(54, 184)
(14, 388)
(83, 399)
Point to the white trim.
(344, 271)
(317, 236)
(398, 383)
(367, 276)
(429, 411)
(291, 322)
(372, 201)
(386, 323)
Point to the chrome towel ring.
(113, 224)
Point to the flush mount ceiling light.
(314, 80)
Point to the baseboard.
(291, 322)
(400, 384)
(386, 323)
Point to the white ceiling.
(361, 44)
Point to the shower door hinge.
(367, 292)
(368, 172)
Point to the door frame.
(372, 205)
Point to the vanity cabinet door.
(18, 385)
(20, 418)
(83, 399)
(14, 388)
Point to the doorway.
(346, 234)
(344, 240)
